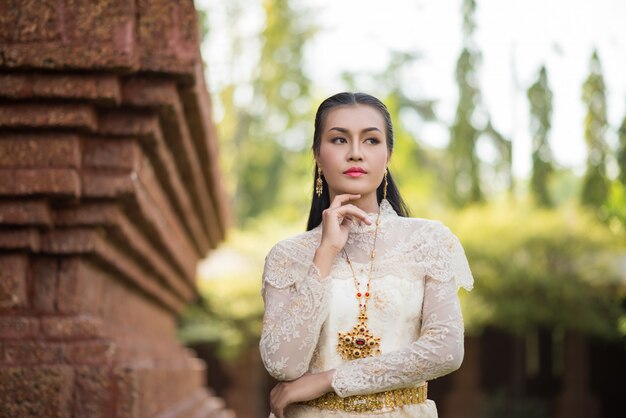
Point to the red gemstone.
(358, 294)
(360, 341)
(367, 294)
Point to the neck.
(367, 202)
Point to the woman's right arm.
(295, 293)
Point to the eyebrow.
(345, 131)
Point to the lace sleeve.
(296, 306)
(439, 349)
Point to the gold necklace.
(360, 342)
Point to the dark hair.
(318, 204)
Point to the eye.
(338, 140)
(373, 140)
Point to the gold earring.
(319, 186)
(385, 186)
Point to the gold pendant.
(359, 342)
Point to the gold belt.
(372, 402)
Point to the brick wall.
(109, 194)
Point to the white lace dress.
(414, 309)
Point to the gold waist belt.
(372, 402)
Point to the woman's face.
(353, 138)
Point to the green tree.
(621, 152)
(595, 183)
(465, 176)
(265, 106)
(540, 100)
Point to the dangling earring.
(319, 186)
(385, 186)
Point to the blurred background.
(510, 123)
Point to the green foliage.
(540, 99)
(621, 152)
(595, 184)
(465, 180)
(541, 268)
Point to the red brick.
(29, 181)
(25, 212)
(70, 240)
(32, 352)
(92, 392)
(95, 35)
(140, 123)
(13, 281)
(122, 154)
(101, 213)
(29, 21)
(128, 392)
(21, 115)
(40, 151)
(18, 327)
(167, 31)
(99, 184)
(101, 89)
(20, 239)
(149, 91)
(72, 327)
(36, 391)
(96, 352)
(45, 283)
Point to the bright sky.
(515, 38)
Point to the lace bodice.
(414, 308)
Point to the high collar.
(386, 212)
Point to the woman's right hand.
(336, 221)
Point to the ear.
(389, 156)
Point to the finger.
(341, 198)
(351, 210)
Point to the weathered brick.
(126, 386)
(141, 123)
(45, 282)
(103, 184)
(101, 89)
(168, 33)
(96, 352)
(22, 115)
(95, 35)
(18, 327)
(40, 151)
(72, 327)
(69, 240)
(87, 213)
(20, 239)
(36, 391)
(73, 292)
(32, 181)
(25, 212)
(29, 21)
(32, 352)
(92, 392)
(122, 154)
(13, 269)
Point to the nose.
(355, 152)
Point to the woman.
(362, 309)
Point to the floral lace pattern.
(419, 266)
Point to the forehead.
(354, 117)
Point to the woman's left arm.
(439, 349)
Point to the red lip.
(354, 170)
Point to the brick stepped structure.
(109, 195)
